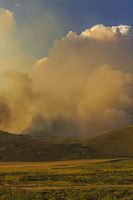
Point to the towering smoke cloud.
(88, 77)
(85, 85)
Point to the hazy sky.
(66, 15)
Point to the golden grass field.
(80, 179)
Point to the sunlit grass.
(86, 179)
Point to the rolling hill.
(118, 143)
(25, 148)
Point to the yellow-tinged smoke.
(85, 84)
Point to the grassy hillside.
(25, 148)
(118, 143)
(114, 144)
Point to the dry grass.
(76, 178)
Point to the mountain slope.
(114, 144)
(25, 148)
(118, 143)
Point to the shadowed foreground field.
(67, 180)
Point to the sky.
(66, 15)
(66, 66)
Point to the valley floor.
(110, 179)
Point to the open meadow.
(67, 180)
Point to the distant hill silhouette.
(25, 148)
(118, 143)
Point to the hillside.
(114, 144)
(118, 143)
(25, 148)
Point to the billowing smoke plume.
(85, 85)
(58, 126)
